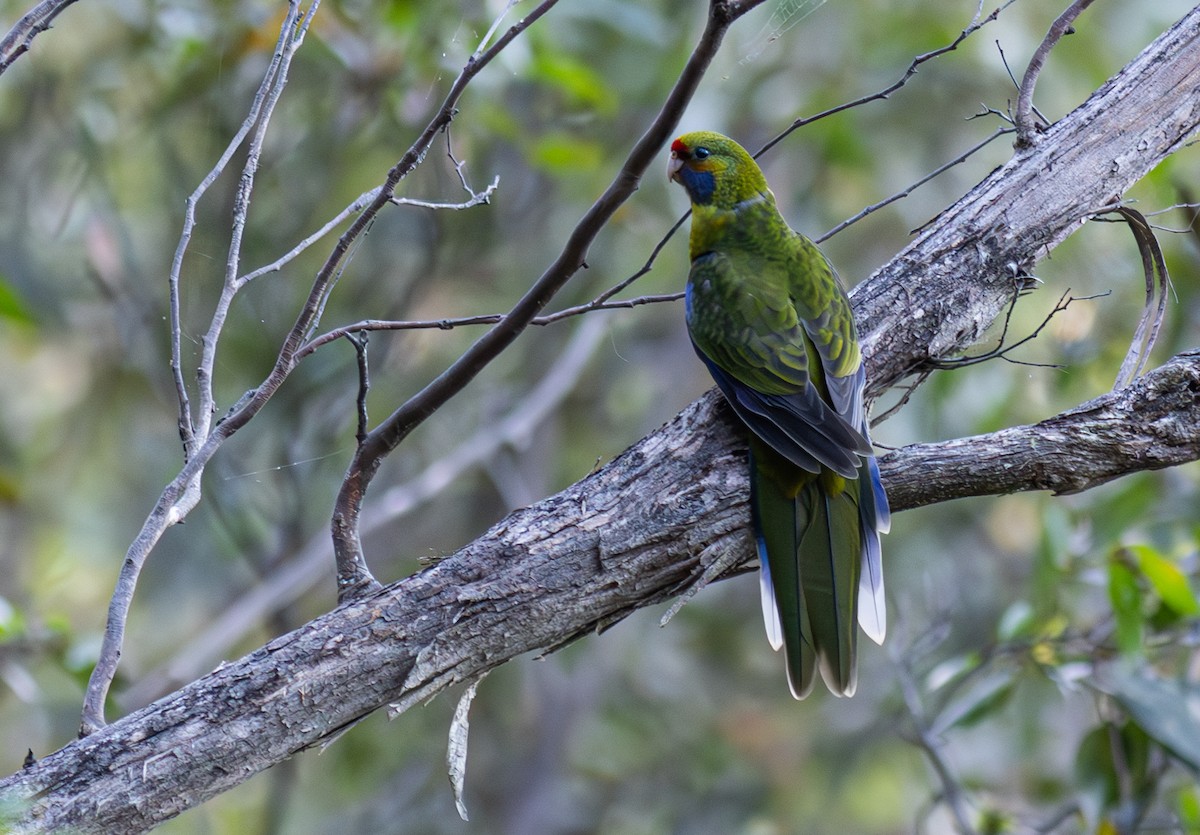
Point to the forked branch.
(353, 575)
(201, 441)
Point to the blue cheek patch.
(699, 184)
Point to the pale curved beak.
(673, 166)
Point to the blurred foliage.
(1043, 647)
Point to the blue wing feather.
(800, 426)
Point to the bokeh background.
(1000, 607)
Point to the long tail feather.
(775, 525)
(875, 520)
(830, 556)
(821, 575)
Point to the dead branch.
(1023, 117)
(630, 535)
(37, 20)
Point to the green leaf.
(981, 699)
(12, 306)
(1127, 605)
(950, 670)
(1099, 771)
(1188, 808)
(1167, 579)
(1016, 622)
(1169, 711)
(1095, 776)
(577, 81)
(12, 621)
(560, 152)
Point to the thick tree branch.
(939, 295)
(1147, 426)
(634, 533)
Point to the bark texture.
(644, 527)
(942, 292)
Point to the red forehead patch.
(678, 146)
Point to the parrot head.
(715, 170)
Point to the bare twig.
(1016, 84)
(475, 200)
(481, 319)
(620, 304)
(37, 20)
(952, 792)
(353, 574)
(1001, 351)
(1023, 117)
(184, 490)
(600, 301)
(976, 23)
(359, 203)
(910, 388)
(271, 79)
(168, 510)
(292, 37)
(359, 340)
(905, 192)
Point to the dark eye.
(701, 153)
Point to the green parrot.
(769, 317)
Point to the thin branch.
(975, 25)
(1001, 351)
(1027, 127)
(600, 300)
(168, 510)
(481, 319)
(183, 492)
(37, 20)
(595, 304)
(905, 192)
(353, 574)
(359, 341)
(187, 430)
(357, 205)
(293, 32)
(476, 199)
(909, 388)
(1017, 86)
(931, 747)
